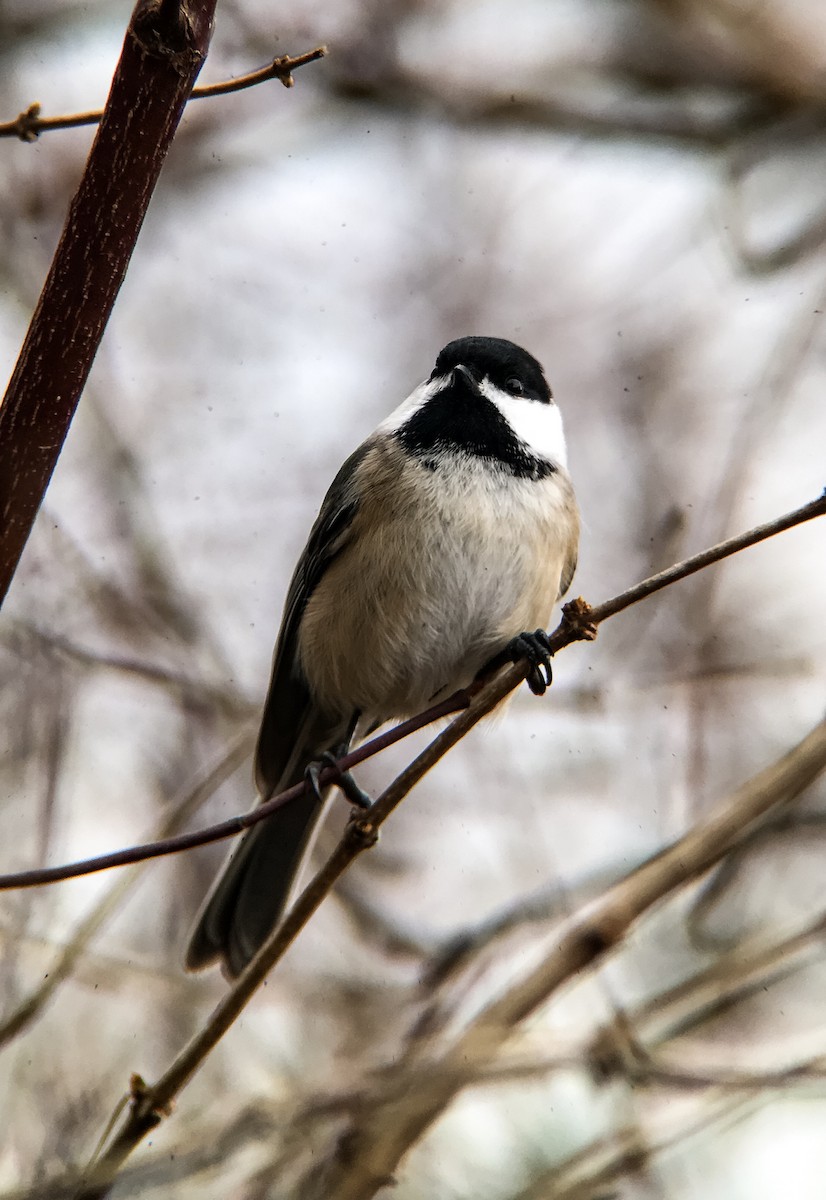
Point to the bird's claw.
(343, 780)
(536, 648)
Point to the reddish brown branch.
(163, 51)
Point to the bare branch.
(697, 562)
(233, 825)
(28, 125)
(280, 68)
(584, 1175)
(662, 1018)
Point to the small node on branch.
(362, 832)
(576, 617)
(27, 125)
(282, 69)
(616, 1051)
(596, 938)
(140, 1096)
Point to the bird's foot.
(536, 648)
(343, 780)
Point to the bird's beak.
(465, 375)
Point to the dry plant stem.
(371, 1148)
(163, 51)
(661, 1019)
(29, 124)
(586, 1174)
(651, 1071)
(732, 979)
(59, 970)
(579, 622)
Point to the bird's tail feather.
(252, 892)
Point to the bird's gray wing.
(288, 704)
(250, 895)
(571, 518)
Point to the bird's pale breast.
(460, 558)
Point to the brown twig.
(817, 508)
(579, 622)
(28, 125)
(280, 68)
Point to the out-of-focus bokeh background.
(632, 189)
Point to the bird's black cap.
(499, 360)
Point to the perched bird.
(446, 535)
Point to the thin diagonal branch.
(150, 1104)
(579, 621)
(233, 825)
(697, 562)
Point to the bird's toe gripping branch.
(536, 648)
(343, 780)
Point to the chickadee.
(451, 530)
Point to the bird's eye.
(515, 386)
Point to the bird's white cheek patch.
(538, 425)
(416, 400)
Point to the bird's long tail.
(252, 892)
